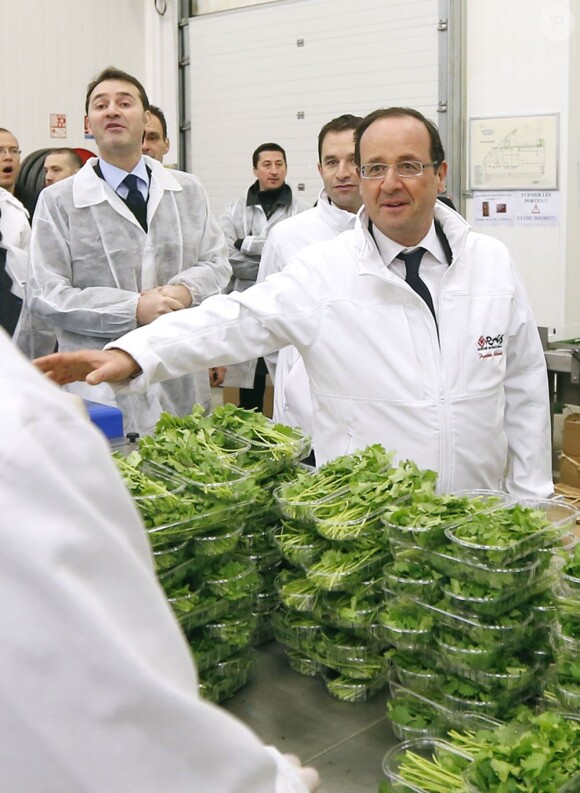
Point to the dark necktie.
(412, 261)
(135, 200)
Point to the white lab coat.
(98, 689)
(325, 221)
(240, 221)
(15, 226)
(473, 405)
(90, 259)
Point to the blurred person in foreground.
(415, 331)
(98, 687)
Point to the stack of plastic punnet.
(563, 690)
(272, 458)
(334, 547)
(194, 533)
(467, 605)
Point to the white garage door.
(279, 71)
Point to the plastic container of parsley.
(504, 536)
(273, 447)
(358, 511)
(310, 490)
(299, 544)
(422, 517)
(198, 433)
(410, 575)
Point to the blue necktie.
(135, 200)
(412, 261)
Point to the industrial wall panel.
(278, 72)
(51, 51)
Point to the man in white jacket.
(459, 386)
(98, 688)
(334, 212)
(14, 244)
(107, 257)
(247, 223)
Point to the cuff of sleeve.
(287, 780)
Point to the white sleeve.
(98, 688)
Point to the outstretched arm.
(91, 366)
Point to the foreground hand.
(92, 366)
(307, 774)
(217, 375)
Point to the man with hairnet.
(122, 243)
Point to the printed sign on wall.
(58, 125)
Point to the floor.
(345, 742)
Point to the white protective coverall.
(245, 221)
(98, 689)
(325, 221)
(15, 227)
(90, 259)
(473, 406)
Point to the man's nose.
(344, 170)
(391, 179)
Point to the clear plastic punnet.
(405, 625)
(418, 672)
(300, 546)
(346, 689)
(422, 519)
(404, 764)
(410, 575)
(453, 564)
(296, 631)
(217, 543)
(296, 591)
(485, 602)
(455, 653)
(340, 569)
(508, 631)
(507, 535)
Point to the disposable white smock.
(470, 402)
(98, 689)
(90, 259)
(292, 402)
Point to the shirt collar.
(113, 176)
(389, 249)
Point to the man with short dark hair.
(334, 212)
(246, 224)
(60, 164)
(122, 243)
(415, 331)
(155, 141)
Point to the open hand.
(91, 366)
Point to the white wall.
(250, 80)
(517, 65)
(51, 49)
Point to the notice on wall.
(514, 153)
(58, 125)
(517, 208)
